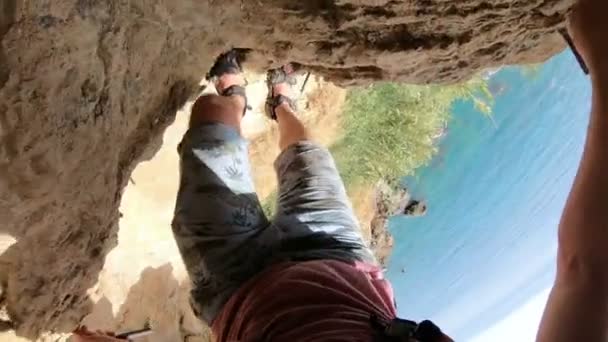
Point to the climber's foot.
(227, 74)
(228, 63)
(284, 89)
(280, 82)
(228, 80)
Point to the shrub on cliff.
(391, 129)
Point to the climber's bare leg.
(227, 110)
(218, 216)
(291, 129)
(312, 200)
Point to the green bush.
(392, 129)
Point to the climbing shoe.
(285, 74)
(229, 63)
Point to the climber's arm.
(578, 305)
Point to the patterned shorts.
(222, 233)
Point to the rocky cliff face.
(87, 88)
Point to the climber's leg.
(291, 129)
(218, 216)
(313, 207)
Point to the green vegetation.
(531, 71)
(269, 204)
(390, 129)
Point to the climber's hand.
(82, 334)
(588, 26)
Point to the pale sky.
(521, 325)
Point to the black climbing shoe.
(229, 63)
(285, 74)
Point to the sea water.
(495, 193)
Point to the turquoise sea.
(495, 193)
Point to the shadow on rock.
(157, 300)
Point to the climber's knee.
(217, 109)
